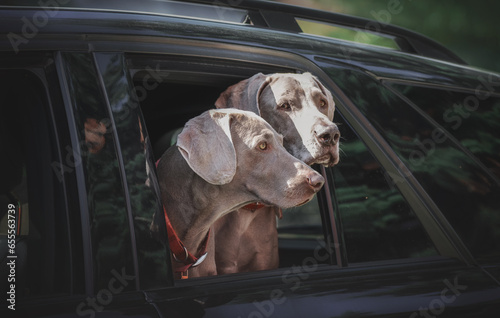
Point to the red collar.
(254, 206)
(180, 253)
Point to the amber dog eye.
(263, 146)
(322, 103)
(285, 106)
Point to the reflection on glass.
(301, 235)
(110, 232)
(377, 222)
(466, 188)
(463, 185)
(141, 184)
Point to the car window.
(377, 222)
(465, 192)
(473, 120)
(97, 151)
(138, 164)
(35, 248)
(171, 91)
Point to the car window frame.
(348, 108)
(42, 66)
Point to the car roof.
(276, 16)
(256, 23)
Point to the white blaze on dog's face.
(272, 174)
(300, 108)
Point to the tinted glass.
(109, 222)
(301, 235)
(463, 189)
(377, 222)
(472, 118)
(34, 239)
(138, 164)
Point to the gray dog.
(211, 173)
(300, 108)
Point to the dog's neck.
(192, 204)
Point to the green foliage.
(345, 34)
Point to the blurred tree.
(468, 28)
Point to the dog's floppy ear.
(244, 95)
(329, 97)
(207, 146)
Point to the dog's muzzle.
(327, 135)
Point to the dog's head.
(298, 106)
(240, 149)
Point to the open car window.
(173, 90)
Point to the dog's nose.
(315, 180)
(327, 134)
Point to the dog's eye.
(285, 106)
(263, 146)
(322, 103)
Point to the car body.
(407, 224)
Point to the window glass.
(109, 223)
(34, 241)
(463, 189)
(345, 33)
(470, 183)
(301, 235)
(377, 222)
(472, 118)
(138, 164)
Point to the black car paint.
(439, 287)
